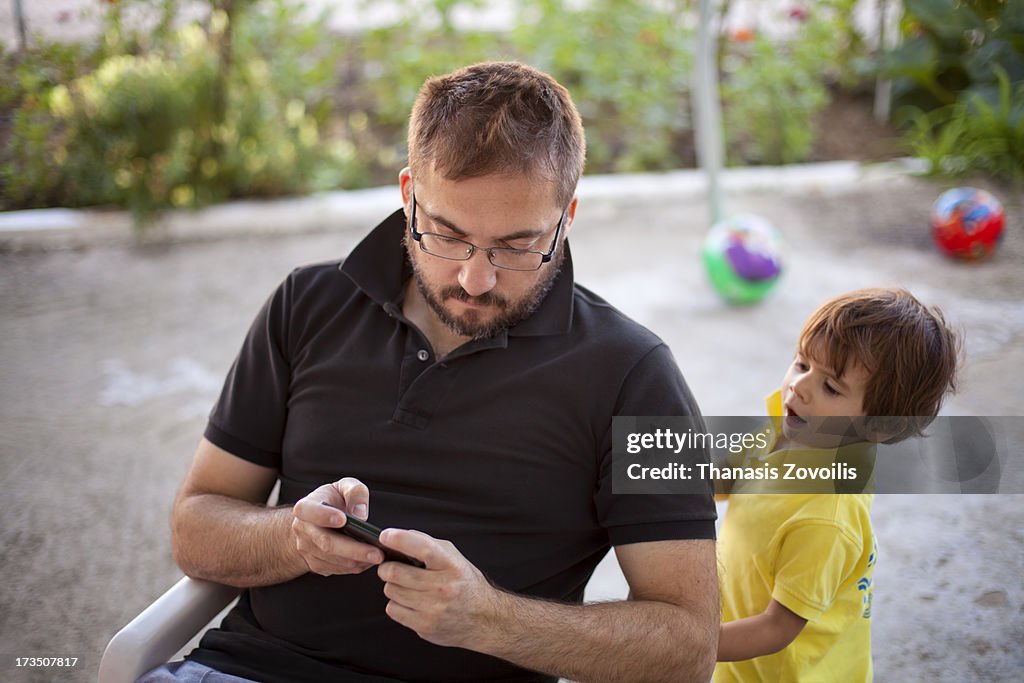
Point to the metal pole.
(708, 112)
(19, 18)
(888, 38)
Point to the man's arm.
(762, 634)
(667, 630)
(222, 530)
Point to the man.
(449, 381)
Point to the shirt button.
(423, 355)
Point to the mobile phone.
(364, 532)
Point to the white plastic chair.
(163, 629)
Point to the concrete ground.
(113, 350)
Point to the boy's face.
(812, 393)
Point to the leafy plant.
(27, 176)
(260, 99)
(201, 115)
(628, 65)
(952, 47)
(773, 86)
(975, 134)
(769, 106)
(960, 75)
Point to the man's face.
(817, 405)
(474, 298)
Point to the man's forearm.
(234, 542)
(614, 641)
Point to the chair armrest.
(163, 628)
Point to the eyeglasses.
(455, 249)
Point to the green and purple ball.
(743, 258)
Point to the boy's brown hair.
(498, 117)
(910, 353)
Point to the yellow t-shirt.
(813, 553)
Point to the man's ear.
(570, 214)
(405, 185)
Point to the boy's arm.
(762, 634)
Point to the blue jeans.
(188, 672)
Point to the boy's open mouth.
(792, 418)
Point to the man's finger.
(326, 543)
(329, 564)
(336, 518)
(356, 496)
(352, 549)
(312, 510)
(429, 550)
(404, 575)
(405, 597)
(401, 614)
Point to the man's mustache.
(485, 299)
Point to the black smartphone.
(364, 532)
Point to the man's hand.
(668, 632)
(447, 602)
(328, 552)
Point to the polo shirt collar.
(378, 266)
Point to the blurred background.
(209, 147)
(153, 104)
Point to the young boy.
(796, 569)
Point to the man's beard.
(509, 313)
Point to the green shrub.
(951, 47)
(628, 65)
(959, 76)
(773, 87)
(262, 101)
(124, 137)
(28, 178)
(200, 115)
(974, 134)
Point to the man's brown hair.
(910, 353)
(498, 117)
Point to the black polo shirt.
(503, 448)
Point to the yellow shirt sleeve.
(811, 563)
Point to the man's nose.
(477, 276)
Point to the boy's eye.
(800, 365)
(831, 389)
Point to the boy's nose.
(477, 276)
(799, 386)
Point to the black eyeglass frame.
(545, 257)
